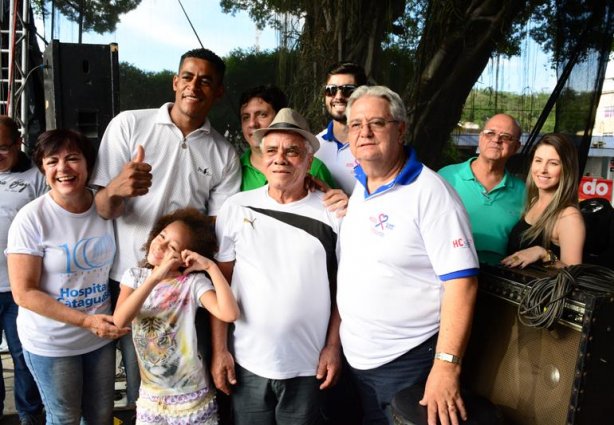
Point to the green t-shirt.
(253, 178)
(492, 214)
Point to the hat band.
(285, 125)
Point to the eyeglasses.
(346, 89)
(4, 149)
(375, 125)
(504, 137)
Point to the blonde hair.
(566, 194)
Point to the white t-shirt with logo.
(16, 190)
(200, 171)
(77, 252)
(285, 256)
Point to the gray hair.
(397, 108)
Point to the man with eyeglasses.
(407, 271)
(342, 79)
(492, 196)
(20, 183)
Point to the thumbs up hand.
(134, 179)
(140, 154)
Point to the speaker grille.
(527, 372)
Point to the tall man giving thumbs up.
(154, 161)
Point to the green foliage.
(396, 69)
(142, 90)
(430, 52)
(571, 118)
(559, 29)
(407, 30)
(265, 13)
(244, 69)
(38, 7)
(526, 107)
(318, 33)
(99, 16)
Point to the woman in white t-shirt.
(59, 256)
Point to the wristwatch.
(446, 357)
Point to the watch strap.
(447, 357)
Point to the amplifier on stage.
(561, 375)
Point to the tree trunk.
(458, 40)
(338, 30)
(81, 13)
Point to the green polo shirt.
(253, 178)
(492, 214)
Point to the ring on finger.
(515, 258)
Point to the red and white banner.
(594, 187)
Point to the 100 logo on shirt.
(89, 254)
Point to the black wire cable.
(190, 22)
(543, 299)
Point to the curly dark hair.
(202, 238)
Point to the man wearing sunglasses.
(342, 79)
(492, 196)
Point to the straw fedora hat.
(288, 119)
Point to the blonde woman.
(551, 229)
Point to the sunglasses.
(346, 89)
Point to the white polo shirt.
(200, 171)
(397, 246)
(338, 159)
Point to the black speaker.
(560, 376)
(81, 87)
(598, 217)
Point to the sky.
(153, 36)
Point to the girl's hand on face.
(195, 262)
(171, 262)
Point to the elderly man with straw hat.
(278, 248)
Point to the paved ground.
(122, 414)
